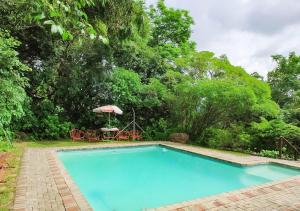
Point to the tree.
(213, 97)
(257, 75)
(149, 100)
(69, 42)
(285, 83)
(12, 83)
(138, 56)
(204, 64)
(285, 78)
(87, 53)
(171, 30)
(205, 103)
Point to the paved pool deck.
(44, 184)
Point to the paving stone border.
(36, 188)
(71, 196)
(44, 184)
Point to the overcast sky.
(247, 31)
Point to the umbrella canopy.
(108, 109)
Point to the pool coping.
(209, 202)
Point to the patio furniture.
(92, 136)
(136, 135)
(76, 134)
(123, 135)
(109, 133)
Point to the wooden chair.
(136, 135)
(76, 134)
(123, 136)
(92, 136)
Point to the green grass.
(66, 143)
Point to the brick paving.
(44, 184)
(36, 188)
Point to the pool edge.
(175, 146)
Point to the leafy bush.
(125, 87)
(219, 138)
(12, 82)
(158, 131)
(53, 128)
(45, 123)
(269, 153)
(233, 137)
(265, 132)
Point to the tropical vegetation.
(61, 59)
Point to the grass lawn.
(62, 143)
(7, 188)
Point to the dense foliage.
(285, 83)
(12, 83)
(61, 59)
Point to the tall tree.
(171, 30)
(12, 83)
(285, 78)
(285, 83)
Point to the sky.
(247, 31)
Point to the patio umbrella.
(108, 109)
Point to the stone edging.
(223, 199)
(72, 197)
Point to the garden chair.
(136, 135)
(123, 136)
(76, 134)
(92, 136)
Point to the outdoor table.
(109, 133)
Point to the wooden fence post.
(280, 147)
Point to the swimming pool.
(134, 178)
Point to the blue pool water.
(133, 178)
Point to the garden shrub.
(158, 131)
(269, 153)
(219, 138)
(45, 123)
(233, 137)
(12, 83)
(53, 128)
(265, 133)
